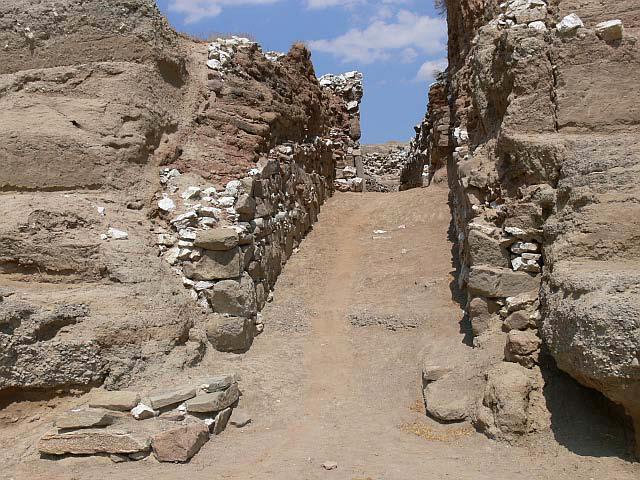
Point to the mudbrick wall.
(536, 121)
(152, 187)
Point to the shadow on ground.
(583, 420)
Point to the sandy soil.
(336, 374)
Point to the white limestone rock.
(569, 24)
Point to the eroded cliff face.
(122, 145)
(543, 111)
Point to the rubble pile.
(173, 424)
(383, 164)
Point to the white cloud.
(381, 40)
(196, 10)
(429, 69)
(332, 3)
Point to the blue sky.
(397, 44)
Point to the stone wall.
(348, 156)
(543, 204)
(229, 244)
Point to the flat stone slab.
(218, 239)
(86, 418)
(214, 402)
(180, 444)
(117, 401)
(215, 265)
(216, 383)
(91, 442)
(164, 398)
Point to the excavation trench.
(336, 374)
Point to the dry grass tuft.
(425, 431)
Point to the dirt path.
(336, 375)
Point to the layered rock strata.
(152, 188)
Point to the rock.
(521, 301)
(246, 207)
(268, 167)
(444, 402)
(569, 24)
(86, 418)
(540, 26)
(180, 444)
(215, 265)
(523, 343)
(91, 442)
(214, 402)
(230, 334)
(116, 234)
(221, 421)
(234, 298)
(610, 31)
(330, 465)
(240, 418)
(142, 412)
(486, 250)
(119, 401)
(483, 315)
(433, 373)
(137, 456)
(217, 383)
(188, 219)
(500, 282)
(172, 416)
(119, 458)
(218, 239)
(519, 320)
(191, 193)
(166, 204)
(524, 247)
(164, 398)
(508, 400)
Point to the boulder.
(180, 444)
(214, 402)
(117, 401)
(509, 403)
(87, 418)
(486, 250)
(500, 282)
(234, 298)
(230, 334)
(91, 442)
(443, 402)
(164, 398)
(215, 265)
(217, 239)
